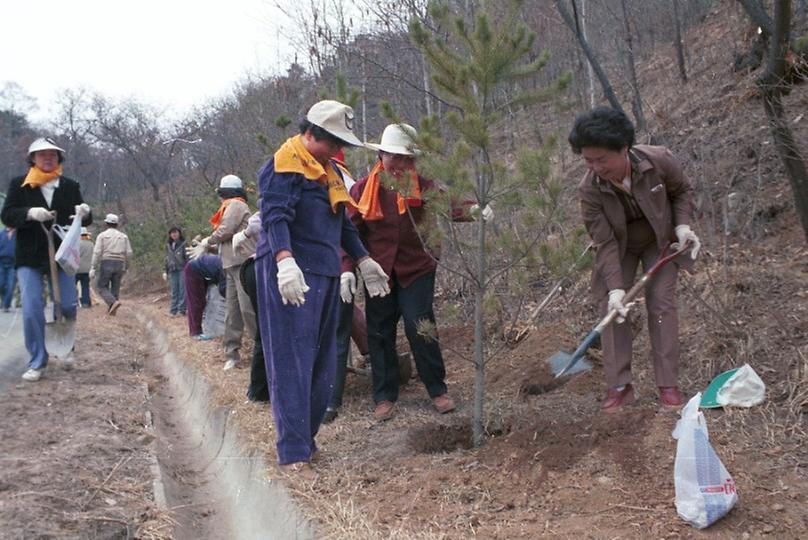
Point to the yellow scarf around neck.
(293, 157)
(36, 177)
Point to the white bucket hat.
(336, 118)
(84, 230)
(230, 181)
(112, 219)
(397, 139)
(44, 143)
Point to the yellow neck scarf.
(292, 157)
(36, 177)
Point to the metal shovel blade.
(561, 363)
(60, 336)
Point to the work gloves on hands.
(374, 276)
(40, 214)
(198, 250)
(616, 302)
(82, 210)
(291, 283)
(92, 273)
(165, 276)
(487, 212)
(347, 286)
(684, 235)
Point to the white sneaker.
(32, 375)
(68, 362)
(230, 364)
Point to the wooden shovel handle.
(57, 291)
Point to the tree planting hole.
(434, 438)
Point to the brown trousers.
(663, 319)
(239, 315)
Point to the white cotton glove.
(347, 286)
(616, 302)
(375, 278)
(198, 250)
(92, 273)
(82, 210)
(487, 213)
(238, 239)
(291, 283)
(684, 235)
(40, 214)
(165, 276)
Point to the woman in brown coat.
(634, 200)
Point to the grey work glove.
(198, 250)
(347, 286)
(40, 214)
(165, 276)
(684, 235)
(375, 278)
(616, 302)
(92, 273)
(487, 213)
(291, 283)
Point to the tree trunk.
(772, 88)
(758, 14)
(590, 54)
(479, 334)
(590, 74)
(639, 117)
(680, 46)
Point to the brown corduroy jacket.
(662, 192)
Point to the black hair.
(602, 127)
(111, 225)
(229, 193)
(319, 133)
(171, 230)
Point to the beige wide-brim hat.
(336, 118)
(397, 139)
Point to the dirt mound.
(433, 438)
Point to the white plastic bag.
(705, 491)
(68, 256)
(744, 389)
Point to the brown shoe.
(617, 398)
(444, 403)
(670, 396)
(114, 307)
(301, 469)
(384, 411)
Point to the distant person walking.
(175, 264)
(111, 258)
(83, 274)
(41, 198)
(8, 278)
(231, 218)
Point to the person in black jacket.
(40, 199)
(175, 263)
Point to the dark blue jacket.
(209, 267)
(296, 215)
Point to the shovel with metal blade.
(564, 363)
(60, 334)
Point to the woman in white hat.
(303, 200)
(390, 236)
(42, 197)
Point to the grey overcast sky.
(173, 53)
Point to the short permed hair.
(602, 127)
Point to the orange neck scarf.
(216, 219)
(369, 205)
(36, 177)
(293, 157)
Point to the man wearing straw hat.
(39, 199)
(387, 218)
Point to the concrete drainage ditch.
(227, 494)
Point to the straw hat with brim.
(397, 139)
(336, 118)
